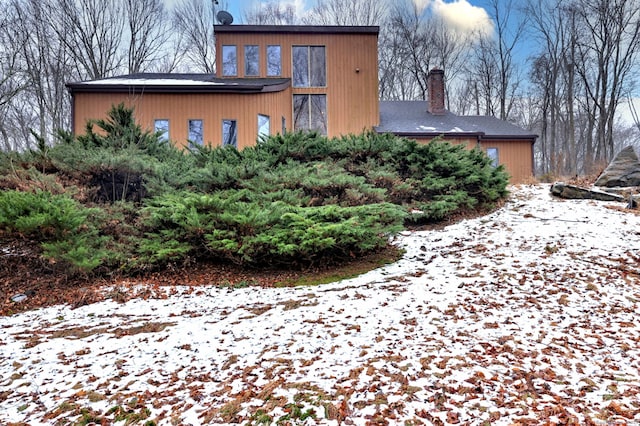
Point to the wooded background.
(564, 69)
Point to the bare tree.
(148, 33)
(347, 12)
(193, 21)
(609, 50)
(91, 31)
(273, 12)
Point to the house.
(276, 79)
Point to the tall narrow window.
(196, 134)
(309, 66)
(229, 133)
(274, 60)
(492, 153)
(284, 125)
(251, 60)
(264, 127)
(229, 61)
(161, 127)
(310, 113)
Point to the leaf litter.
(525, 316)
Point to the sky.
(461, 14)
(527, 315)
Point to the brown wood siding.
(352, 73)
(179, 108)
(516, 155)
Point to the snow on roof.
(526, 315)
(154, 81)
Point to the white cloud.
(462, 15)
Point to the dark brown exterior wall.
(179, 108)
(352, 73)
(516, 155)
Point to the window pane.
(300, 112)
(162, 127)
(229, 61)
(274, 61)
(251, 60)
(318, 67)
(318, 113)
(264, 124)
(300, 66)
(229, 133)
(195, 131)
(492, 153)
(284, 125)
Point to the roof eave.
(175, 88)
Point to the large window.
(274, 60)
(230, 133)
(229, 61)
(264, 127)
(196, 134)
(310, 113)
(161, 127)
(309, 66)
(251, 60)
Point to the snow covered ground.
(525, 316)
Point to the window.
(492, 153)
(310, 113)
(196, 132)
(274, 61)
(251, 60)
(284, 125)
(229, 133)
(264, 124)
(162, 128)
(309, 66)
(229, 61)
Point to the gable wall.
(352, 97)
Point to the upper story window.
(274, 61)
(251, 60)
(161, 126)
(229, 60)
(196, 132)
(309, 66)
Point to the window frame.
(304, 67)
(261, 134)
(164, 137)
(189, 131)
(308, 123)
(255, 62)
(270, 63)
(225, 71)
(235, 133)
(494, 154)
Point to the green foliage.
(295, 199)
(62, 225)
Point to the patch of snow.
(529, 313)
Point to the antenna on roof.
(223, 17)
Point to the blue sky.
(460, 13)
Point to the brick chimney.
(435, 92)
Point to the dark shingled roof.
(410, 118)
(296, 29)
(179, 83)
